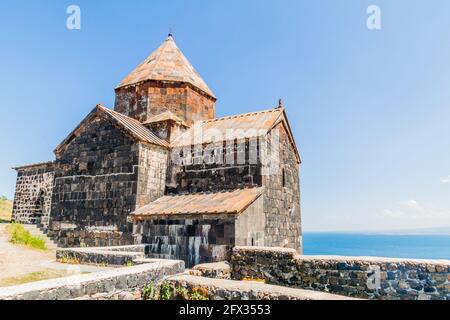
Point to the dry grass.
(18, 235)
(5, 209)
(35, 276)
(68, 260)
(254, 280)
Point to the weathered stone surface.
(216, 270)
(32, 200)
(353, 276)
(96, 179)
(149, 98)
(121, 255)
(282, 199)
(101, 284)
(221, 289)
(191, 240)
(115, 295)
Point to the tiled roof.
(137, 129)
(241, 125)
(167, 63)
(261, 122)
(130, 125)
(225, 202)
(164, 117)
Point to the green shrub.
(18, 235)
(165, 292)
(150, 292)
(198, 294)
(181, 293)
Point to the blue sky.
(370, 109)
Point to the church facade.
(161, 169)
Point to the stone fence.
(222, 289)
(362, 277)
(120, 256)
(121, 280)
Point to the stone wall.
(194, 173)
(193, 240)
(250, 225)
(220, 289)
(107, 283)
(119, 256)
(282, 198)
(280, 177)
(144, 100)
(32, 200)
(96, 180)
(153, 161)
(363, 277)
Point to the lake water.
(395, 246)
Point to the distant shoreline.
(385, 233)
(377, 233)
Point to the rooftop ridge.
(244, 115)
(37, 164)
(166, 115)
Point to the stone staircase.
(34, 230)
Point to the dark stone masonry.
(360, 277)
(95, 185)
(33, 197)
(144, 173)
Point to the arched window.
(39, 209)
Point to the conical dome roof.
(167, 63)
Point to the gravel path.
(16, 260)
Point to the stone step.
(34, 230)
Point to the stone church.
(161, 169)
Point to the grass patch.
(18, 235)
(68, 260)
(165, 291)
(34, 276)
(254, 280)
(5, 209)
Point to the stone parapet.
(217, 270)
(127, 279)
(220, 289)
(104, 255)
(363, 277)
